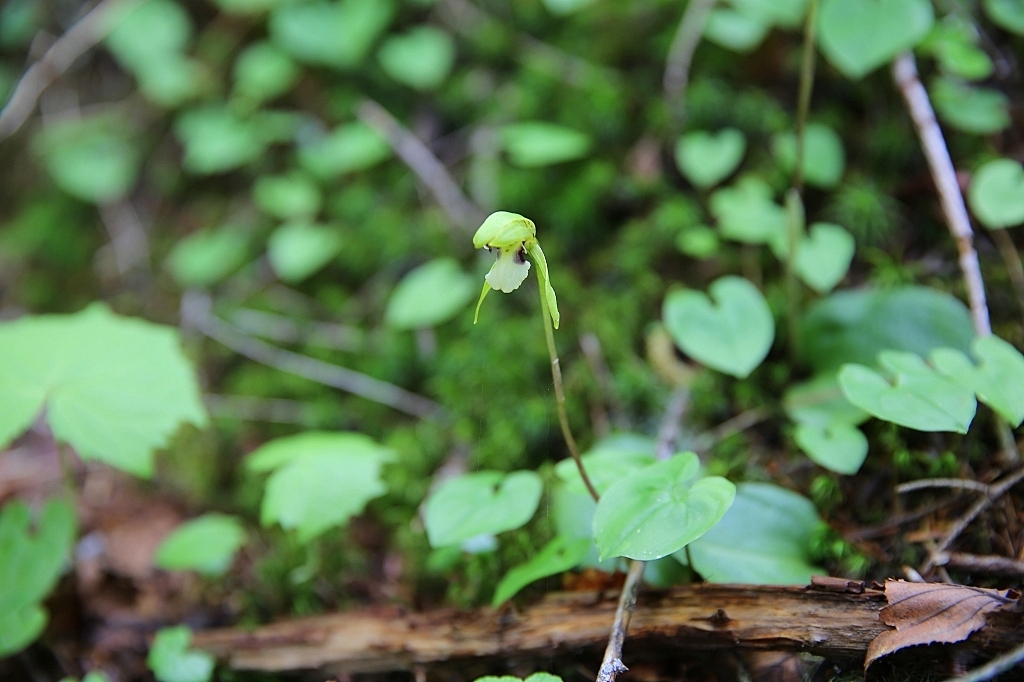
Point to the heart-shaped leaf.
(558, 556)
(532, 144)
(421, 59)
(732, 331)
(734, 30)
(608, 461)
(349, 148)
(337, 34)
(263, 72)
(298, 250)
(206, 544)
(659, 509)
(824, 158)
(975, 110)
(706, 159)
(820, 402)
(481, 503)
(171, 660)
(998, 380)
(858, 36)
(1006, 13)
(824, 256)
(764, 539)
(837, 447)
(746, 213)
(996, 194)
(429, 295)
(920, 398)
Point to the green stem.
(556, 377)
(794, 234)
(804, 97)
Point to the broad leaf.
(287, 196)
(764, 539)
(481, 503)
(431, 294)
(706, 159)
(319, 479)
(919, 398)
(350, 147)
(735, 30)
(858, 36)
(824, 159)
(607, 462)
(732, 331)
(996, 194)
(837, 447)
(171, 660)
(421, 58)
(207, 257)
(336, 34)
(823, 256)
(972, 109)
(206, 544)
(115, 388)
(532, 144)
(998, 380)
(299, 249)
(558, 556)
(659, 509)
(826, 424)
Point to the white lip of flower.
(509, 270)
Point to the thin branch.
(250, 408)
(78, 39)
(427, 167)
(612, 664)
(976, 563)
(806, 87)
(944, 175)
(668, 434)
(196, 312)
(732, 426)
(993, 668)
(284, 329)
(965, 483)
(680, 56)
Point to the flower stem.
(556, 377)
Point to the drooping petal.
(509, 271)
(545, 282)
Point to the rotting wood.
(837, 619)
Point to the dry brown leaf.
(930, 613)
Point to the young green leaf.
(485, 502)
(89, 677)
(287, 196)
(734, 30)
(858, 36)
(421, 58)
(698, 242)
(824, 158)
(920, 398)
(746, 213)
(764, 539)
(532, 144)
(826, 424)
(607, 462)
(1008, 14)
(998, 380)
(298, 250)
(349, 148)
(430, 295)
(837, 447)
(207, 257)
(824, 256)
(206, 544)
(996, 194)
(263, 72)
(92, 159)
(953, 42)
(659, 509)
(30, 566)
(115, 388)
(732, 331)
(171, 660)
(335, 34)
(319, 479)
(563, 7)
(785, 13)
(975, 110)
(558, 556)
(706, 159)
(217, 140)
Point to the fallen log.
(834, 618)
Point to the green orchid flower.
(514, 238)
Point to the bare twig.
(427, 167)
(732, 426)
(976, 563)
(804, 98)
(680, 56)
(196, 312)
(965, 483)
(993, 668)
(668, 434)
(284, 329)
(88, 31)
(250, 408)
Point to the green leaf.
(148, 32)
(533, 144)
(206, 544)
(659, 509)
(980, 111)
(698, 242)
(31, 565)
(836, 446)
(115, 388)
(287, 196)
(92, 159)
(764, 539)
(350, 147)
(319, 479)
(1008, 14)
(858, 36)
(996, 194)
(336, 34)
(820, 402)
(824, 158)
(785, 13)
(920, 398)
(207, 257)
(421, 58)
(298, 250)
(853, 326)
(732, 331)
(430, 295)
(564, 7)
(823, 256)
(572, 512)
(706, 159)
(953, 44)
(998, 380)
(746, 213)
(171, 660)
(607, 462)
(216, 140)
(481, 503)
(734, 30)
(244, 7)
(264, 72)
(558, 556)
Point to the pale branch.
(976, 563)
(730, 427)
(668, 434)
(427, 167)
(680, 56)
(78, 39)
(249, 408)
(196, 312)
(964, 483)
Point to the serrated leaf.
(998, 380)
(299, 249)
(558, 556)
(171, 660)
(430, 295)
(858, 36)
(481, 503)
(764, 539)
(824, 158)
(207, 257)
(996, 194)
(919, 398)
(206, 544)
(115, 388)
(659, 509)
(532, 144)
(421, 58)
(349, 148)
(708, 158)
(824, 256)
(732, 331)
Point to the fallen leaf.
(930, 613)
